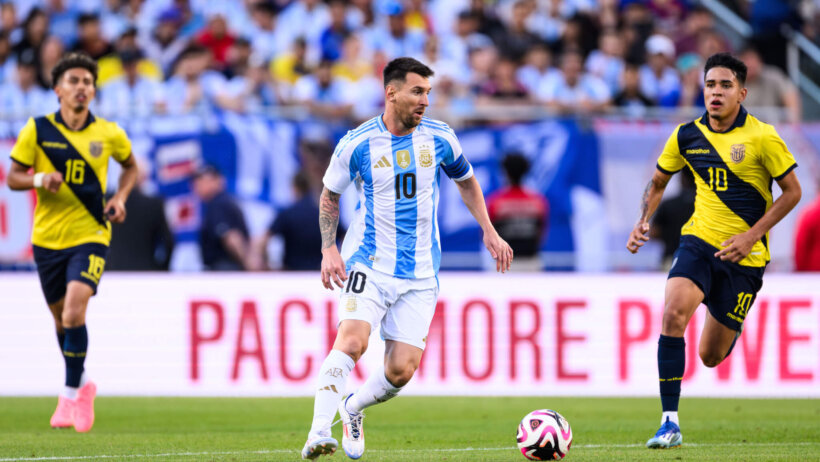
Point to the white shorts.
(403, 308)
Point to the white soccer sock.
(672, 415)
(69, 392)
(330, 388)
(376, 389)
(83, 379)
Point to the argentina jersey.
(395, 230)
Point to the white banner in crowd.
(540, 334)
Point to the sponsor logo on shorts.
(351, 305)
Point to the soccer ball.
(544, 435)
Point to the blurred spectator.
(334, 35)
(327, 98)
(251, 91)
(573, 90)
(488, 23)
(237, 58)
(298, 226)
(89, 37)
(216, 38)
(8, 22)
(607, 62)
(290, 66)
(34, 32)
(165, 44)
(659, 79)
(396, 40)
(697, 21)
(418, 19)
(637, 26)
(503, 86)
(673, 212)
(667, 13)
(630, 97)
(62, 20)
(351, 65)
(23, 97)
(768, 86)
(110, 67)
(537, 67)
(191, 21)
(8, 64)
(305, 18)
(482, 58)
(131, 95)
(268, 40)
(580, 33)
(454, 45)
(50, 53)
(807, 239)
(516, 40)
(223, 238)
(448, 77)
(519, 214)
(144, 242)
(193, 86)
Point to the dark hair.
(516, 166)
(73, 60)
(301, 182)
(729, 62)
(400, 67)
(86, 18)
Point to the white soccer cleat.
(319, 445)
(353, 430)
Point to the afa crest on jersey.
(425, 156)
(738, 153)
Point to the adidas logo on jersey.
(383, 162)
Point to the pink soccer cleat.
(64, 414)
(84, 412)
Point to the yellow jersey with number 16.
(74, 215)
(733, 176)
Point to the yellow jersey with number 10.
(733, 176)
(74, 215)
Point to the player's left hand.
(737, 247)
(501, 252)
(115, 210)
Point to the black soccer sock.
(671, 364)
(61, 339)
(75, 346)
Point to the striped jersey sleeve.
(452, 160)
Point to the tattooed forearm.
(645, 200)
(328, 217)
(652, 194)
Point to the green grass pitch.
(409, 429)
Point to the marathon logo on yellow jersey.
(698, 151)
(55, 145)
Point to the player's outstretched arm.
(473, 198)
(333, 267)
(115, 207)
(649, 203)
(737, 247)
(20, 180)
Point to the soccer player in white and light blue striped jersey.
(391, 254)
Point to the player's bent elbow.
(16, 184)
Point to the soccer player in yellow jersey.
(68, 153)
(724, 247)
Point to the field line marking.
(468, 449)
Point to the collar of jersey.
(88, 121)
(739, 121)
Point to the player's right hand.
(638, 236)
(333, 268)
(52, 181)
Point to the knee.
(72, 317)
(674, 321)
(710, 358)
(400, 375)
(352, 346)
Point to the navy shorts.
(729, 288)
(84, 263)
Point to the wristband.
(38, 180)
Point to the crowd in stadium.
(174, 56)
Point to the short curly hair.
(73, 60)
